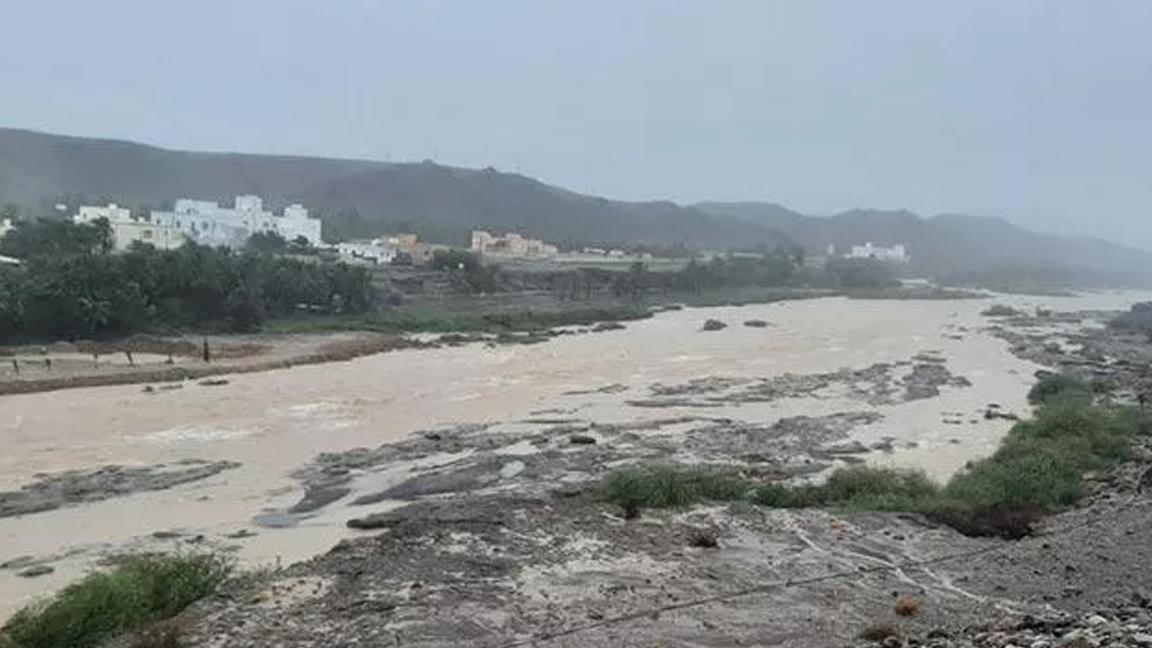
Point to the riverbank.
(312, 340)
(283, 343)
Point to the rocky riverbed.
(503, 541)
(74, 487)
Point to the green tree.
(266, 242)
(31, 239)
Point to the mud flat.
(503, 445)
(161, 360)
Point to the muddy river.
(273, 423)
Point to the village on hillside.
(207, 222)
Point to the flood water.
(275, 422)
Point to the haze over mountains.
(360, 198)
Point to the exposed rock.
(18, 563)
(424, 518)
(36, 571)
(437, 483)
(275, 520)
(713, 325)
(614, 388)
(875, 385)
(993, 414)
(852, 447)
(756, 323)
(318, 496)
(52, 491)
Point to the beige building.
(511, 244)
(422, 253)
(127, 230)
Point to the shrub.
(906, 606)
(1055, 386)
(1040, 464)
(142, 590)
(1026, 482)
(884, 489)
(784, 496)
(857, 487)
(671, 486)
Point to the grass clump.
(856, 487)
(1059, 387)
(1038, 469)
(671, 486)
(1040, 464)
(143, 590)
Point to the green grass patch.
(668, 486)
(402, 321)
(1038, 469)
(142, 590)
(856, 487)
(1059, 387)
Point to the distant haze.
(1037, 111)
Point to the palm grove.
(70, 285)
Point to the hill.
(355, 197)
(955, 245)
(360, 198)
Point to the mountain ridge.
(360, 198)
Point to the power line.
(792, 583)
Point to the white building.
(894, 254)
(373, 251)
(206, 222)
(6, 226)
(127, 230)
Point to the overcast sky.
(1037, 111)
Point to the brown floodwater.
(275, 422)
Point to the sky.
(1035, 111)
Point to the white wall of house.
(896, 253)
(374, 251)
(208, 223)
